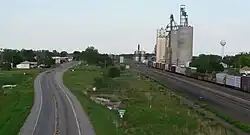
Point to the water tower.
(222, 43)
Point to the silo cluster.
(174, 44)
(139, 56)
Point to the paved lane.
(46, 121)
(56, 110)
(67, 124)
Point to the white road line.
(55, 127)
(73, 109)
(40, 107)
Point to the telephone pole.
(1, 52)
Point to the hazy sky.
(118, 26)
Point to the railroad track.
(187, 80)
(227, 101)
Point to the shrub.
(5, 66)
(114, 72)
(122, 67)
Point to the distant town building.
(26, 65)
(245, 70)
(59, 60)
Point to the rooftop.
(246, 68)
(28, 62)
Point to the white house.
(59, 60)
(26, 65)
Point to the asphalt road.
(238, 109)
(56, 110)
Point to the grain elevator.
(175, 42)
(139, 55)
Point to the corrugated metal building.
(181, 46)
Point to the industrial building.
(161, 44)
(174, 44)
(139, 55)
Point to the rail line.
(230, 98)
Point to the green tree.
(104, 60)
(229, 60)
(55, 53)
(12, 56)
(63, 54)
(90, 55)
(28, 55)
(76, 55)
(207, 63)
(114, 72)
(5, 66)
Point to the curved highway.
(56, 110)
(224, 100)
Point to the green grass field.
(151, 109)
(15, 103)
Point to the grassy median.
(15, 103)
(150, 107)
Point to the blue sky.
(118, 26)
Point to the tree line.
(213, 63)
(90, 55)
(12, 56)
(93, 57)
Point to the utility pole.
(1, 51)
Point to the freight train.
(241, 83)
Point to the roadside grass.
(150, 107)
(15, 103)
(101, 118)
(238, 124)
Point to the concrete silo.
(136, 55)
(142, 55)
(161, 41)
(174, 44)
(185, 45)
